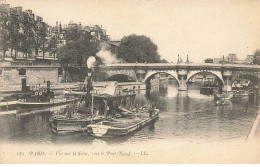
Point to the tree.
(52, 45)
(29, 43)
(4, 35)
(141, 49)
(256, 59)
(73, 34)
(73, 56)
(40, 35)
(14, 26)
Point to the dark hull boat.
(40, 97)
(76, 118)
(122, 126)
(94, 105)
(208, 90)
(26, 104)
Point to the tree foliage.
(75, 53)
(4, 35)
(22, 33)
(141, 49)
(256, 59)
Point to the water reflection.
(184, 115)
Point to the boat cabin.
(240, 84)
(104, 99)
(37, 93)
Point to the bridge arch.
(218, 74)
(121, 78)
(253, 77)
(112, 73)
(152, 73)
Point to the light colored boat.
(122, 126)
(242, 89)
(74, 123)
(244, 94)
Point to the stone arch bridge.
(182, 72)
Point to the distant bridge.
(182, 72)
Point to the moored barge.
(98, 103)
(122, 126)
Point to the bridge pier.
(227, 78)
(257, 95)
(181, 71)
(182, 76)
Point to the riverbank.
(59, 86)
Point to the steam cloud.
(107, 57)
(90, 62)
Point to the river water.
(187, 116)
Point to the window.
(22, 71)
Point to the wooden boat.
(241, 84)
(121, 126)
(209, 88)
(53, 102)
(76, 118)
(242, 88)
(74, 123)
(241, 94)
(91, 107)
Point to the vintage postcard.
(129, 82)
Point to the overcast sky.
(201, 28)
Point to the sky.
(198, 28)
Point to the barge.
(122, 126)
(53, 102)
(98, 103)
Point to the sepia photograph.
(129, 82)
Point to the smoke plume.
(90, 62)
(107, 57)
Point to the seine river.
(187, 116)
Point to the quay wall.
(33, 76)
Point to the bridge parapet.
(181, 72)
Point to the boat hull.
(42, 104)
(64, 124)
(103, 131)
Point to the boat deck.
(121, 126)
